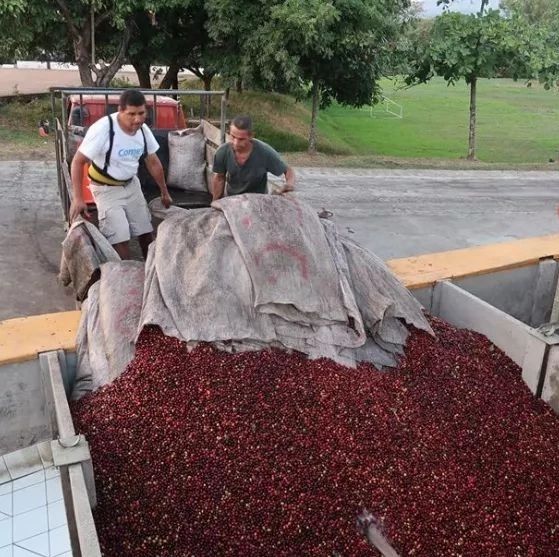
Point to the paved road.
(399, 213)
(394, 213)
(30, 237)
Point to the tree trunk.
(207, 79)
(106, 74)
(239, 85)
(143, 72)
(315, 106)
(472, 135)
(171, 77)
(81, 51)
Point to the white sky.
(430, 8)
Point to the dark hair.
(131, 97)
(242, 123)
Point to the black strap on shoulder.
(111, 141)
(145, 142)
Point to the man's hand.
(78, 208)
(166, 199)
(287, 187)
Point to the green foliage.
(534, 38)
(330, 49)
(540, 12)
(25, 113)
(461, 46)
(341, 45)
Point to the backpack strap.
(111, 141)
(145, 142)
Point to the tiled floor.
(32, 516)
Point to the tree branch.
(107, 72)
(68, 17)
(101, 18)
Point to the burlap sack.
(187, 160)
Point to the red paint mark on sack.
(290, 251)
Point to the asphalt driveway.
(395, 213)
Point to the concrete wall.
(525, 293)
(424, 296)
(535, 352)
(464, 310)
(550, 381)
(25, 416)
(23, 412)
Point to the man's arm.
(289, 180)
(78, 206)
(155, 168)
(218, 186)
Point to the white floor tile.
(30, 524)
(57, 514)
(6, 488)
(20, 552)
(7, 551)
(6, 532)
(6, 504)
(30, 498)
(59, 541)
(54, 489)
(38, 544)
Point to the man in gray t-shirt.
(243, 164)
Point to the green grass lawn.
(515, 123)
(517, 126)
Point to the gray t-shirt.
(250, 177)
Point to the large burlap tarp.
(251, 272)
(258, 270)
(84, 250)
(108, 325)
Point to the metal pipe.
(57, 141)
(64, 113)
(109, 90)
(92, 35)
(222, 120)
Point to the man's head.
(241, 133)
(132, 110)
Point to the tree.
(541, 12)
(464, 47)
(32, 40)
(329, 50)
(82, 21)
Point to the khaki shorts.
(122, 210)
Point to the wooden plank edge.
(23, 338)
